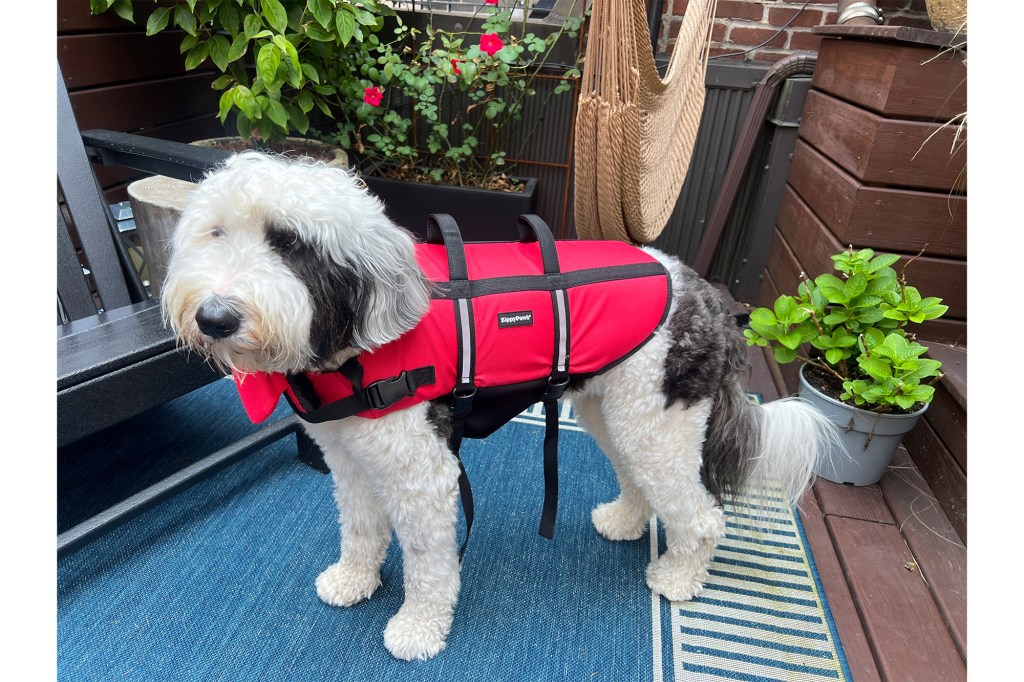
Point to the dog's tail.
(762, 449)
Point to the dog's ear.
(398, 294)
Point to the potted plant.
(409, 96)
(865, 369)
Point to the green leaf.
(239, 46)
(277, 114)
(783, 355)
(185, 19)
(345, 26)
(275, 14)
(246, 102)
(123, 9)
(267, 62)
(99, 6)
(251, 26)
(855, 286)
(784, 307)
(197, 55)
(322, 11)
(227, 100)
(310, 72)
(158, 20)
(882, 261)
(298, 119)
(922, 394)
(219, 51)
(875, 367)
(791, 340)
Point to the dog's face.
(285, 266)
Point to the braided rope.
(635, 132)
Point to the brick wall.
(744, 24)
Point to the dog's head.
(282, 265)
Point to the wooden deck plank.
(856, 502)
(940, 469)
(905, 627)
(858, 652)
(933, 541)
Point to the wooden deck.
(893, 568)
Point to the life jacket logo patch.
(521, 318)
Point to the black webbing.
(550, 509)
(465, 491)
(378, 395)
(533, 229)
(442, 229)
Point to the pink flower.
(455, 67)
(490, 2)
(491, 43)
(372, 96)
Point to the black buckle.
(556, 386)
(462, 401)
(386, 392)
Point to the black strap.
(379, 395)
(556, 386)
(533, 229)
(465, 491)
(442, 229)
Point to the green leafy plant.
(427, 103)
(443, 105)
(856, 327)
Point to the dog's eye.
(217, 232)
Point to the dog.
(285, 265)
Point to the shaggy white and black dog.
(288, 266)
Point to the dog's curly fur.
(287, 265)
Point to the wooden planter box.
(878, 165)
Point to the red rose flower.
(490, 2)
(372, 96)
(491, 43)
(455, 67)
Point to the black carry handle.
(533, 229)
(442, 229)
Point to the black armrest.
(151, 155)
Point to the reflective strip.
(563, 331)
(467, 341)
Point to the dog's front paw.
(342, 584)
(619, 521)
(416, 634)
(676, 578)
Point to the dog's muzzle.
(216, 319)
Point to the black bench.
(115, 358)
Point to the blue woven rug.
(217, 583)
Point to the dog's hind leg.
(364, 529)
(661, 449)
(626, 517)
(414, 475)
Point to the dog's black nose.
(217, 320)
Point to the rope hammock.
(634, 131)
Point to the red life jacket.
(510, 324)
(497, 326)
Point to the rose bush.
(426, 102)
(443, 105)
